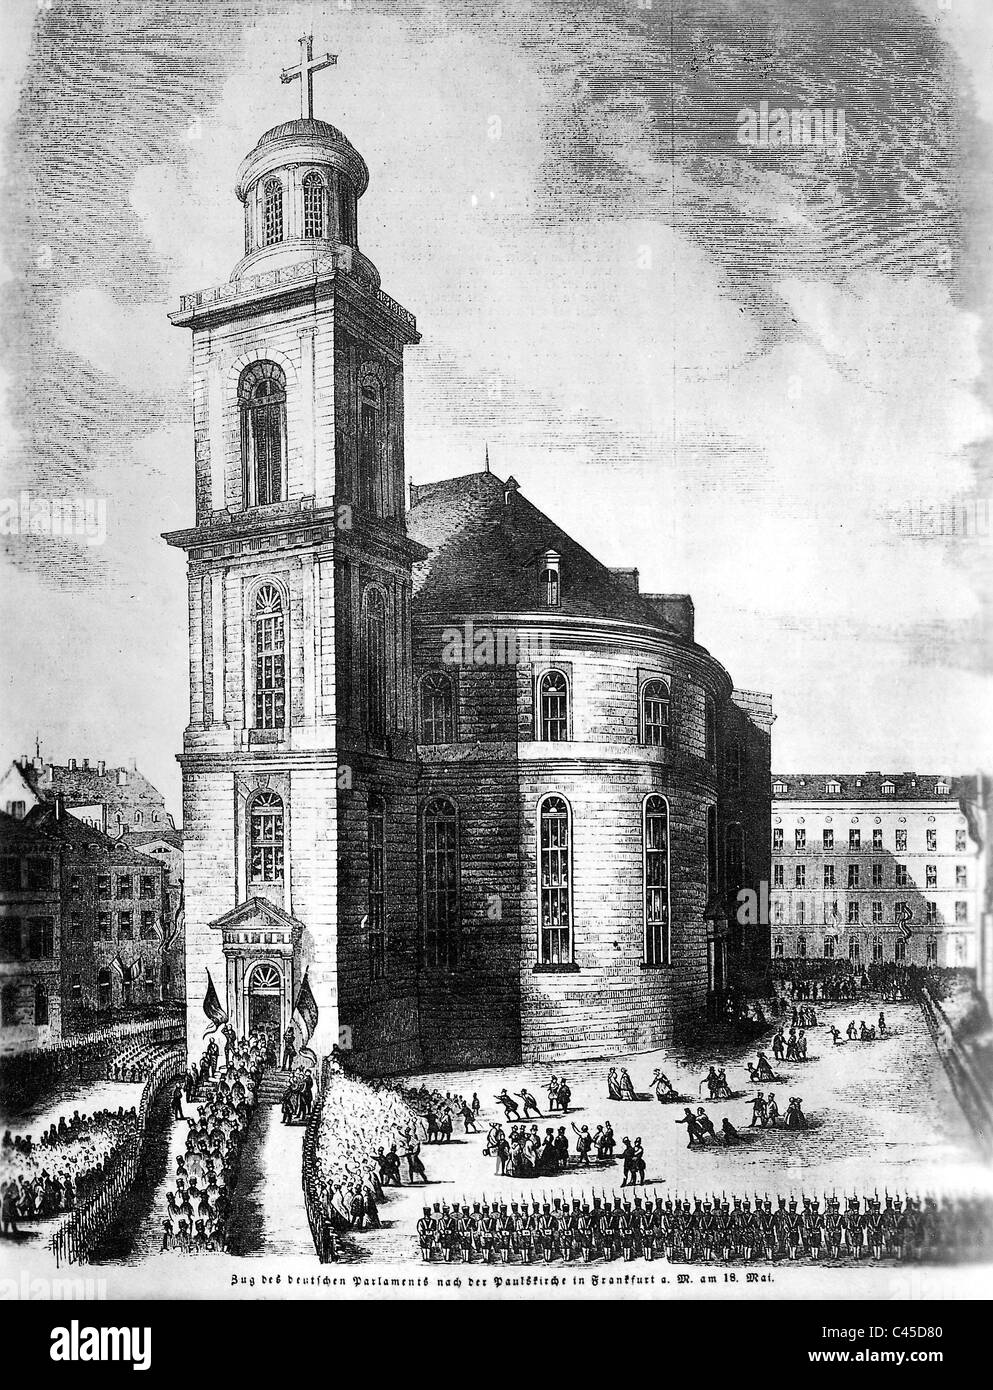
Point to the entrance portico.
(261, 955)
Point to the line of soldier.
(681, 1230)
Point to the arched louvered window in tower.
(553, 707)
(270, 658)
(272, 212)
(262, 401)
(437, 718)
(656, 846)
(554, 882)
(655, 714)
(314, 198)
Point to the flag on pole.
(905, 917)
(179, 919)
(306, 1013)
(121, 969)
(212, 1007)
(133, 970)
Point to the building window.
(39, 875)
(549, 583)
(147, 886)
(40, 1006)
(777, 876)
(961, 876)
(877, 875)
(853, 914)
(961, 912)
(801, 947)
(555, 882)
(829, 948)
(900, 951)
(930, 875)
(272, 212)
(931, 913)
(734, 860)
(900, 876)
(877, 839)
(75, 926)
(375, 656)
(960, 840)
(877, 949)
(932, 950)
(437, 710)
(854, 839)
(125, 926)
(833, 788)
(800, 839)
(831, 912)
(76, 990)
(262, 402)
(854, 949)
(165, 981)
(104, 990)
(828, 839)
(779, 788)
(553, 703)
(103, 886)
(877, 914)
(372, 489)
(888, 788)
(656, 843)
(41, 938)
(655, 714)
(124, 886)
(313, 206)
(901, 913)
(960, 950)
(829, 876)
(10, 874)
(800, 876)
(777, 911)
(265, 838)
(8, 1006)
(103, 925)
(778, 948)
(932, 839)
(710, 729)
(270, 659)
(901, 840)
(17, 809)
(777, 837)
(441, 885)
(377, 887)
(148, 925)
(853, 875)
(712, 884)
(801, 912)
(74, 885)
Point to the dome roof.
(305, 130)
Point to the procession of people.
(67, 1163)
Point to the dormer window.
(833, 788)
(888, 788)
(779, 788)
(549, 580)
(943, 788)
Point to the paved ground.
(882, 1115)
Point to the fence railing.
(970, 1091)
(76, 1239)
(321, 1226)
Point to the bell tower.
(298, 761)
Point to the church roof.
(303, 129)
(485, 541)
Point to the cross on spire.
(305, 70)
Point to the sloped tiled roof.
(44, 825)
(484, 552)
(866, 786)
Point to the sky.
(759, 374)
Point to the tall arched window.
(270, 658)
(437, 714)
(265, 838)
(553, 707)
(554, 882)
(734, 861)
(346, 196)
(272, 212)
(262, 400)
(655, 714)
(712, 865)
(710, 729)
(441, 884)
(313, 206)
(548, 587)
(372, 490)
(656, 842)
(376, 841)
(374, 644)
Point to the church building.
(490, 800)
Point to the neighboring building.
(109, 798)
(85, 921)
(874, 867)
(550, 872)
(166, 845)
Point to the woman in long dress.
(613, 1086)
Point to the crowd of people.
(698, 1230)
(198, 1204)
(63, 1168)
(368, 1138)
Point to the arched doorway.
(265, 996)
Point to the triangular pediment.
(260, 914)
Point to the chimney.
(86, 764)
(60, 806)
(132, 764)
(122, 776)
(629, 578)
(414, 494)
(101, 767)
(38, 763)
(72, 764)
